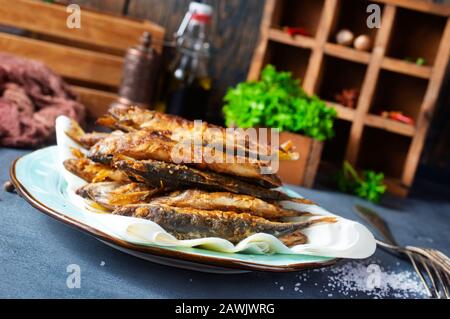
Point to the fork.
(427, 262)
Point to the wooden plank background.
(235, 31)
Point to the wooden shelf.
(415, 35)
(351, 15)
(409, 28)
(347, 53)
(380, 122)
(343, 112)
(337, 75)
(422, 6)
(277, 35)
(396, 186)
(398, 92)
(383, 151)
(280, 55)
(407, 68)
(294, 13)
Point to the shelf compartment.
(347, 53)
(337, 74)
(395, 186)
(343, 112)
(389, 125)
(334, 149)
(287, 58)
(299, 40)
(298, 13)
(352, 15)
(398, 92)
(416, 34)
(407, 68)
(383, 151)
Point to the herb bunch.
(370, 185)
(278, 101)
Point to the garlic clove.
(344, 37)
(362, 43)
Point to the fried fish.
(93, 172)
(225, 201)
(133, 118)
(179, 176)
(155, 145)
(112, 195)
(87, 140)
(190, 223)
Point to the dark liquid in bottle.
(189, 101)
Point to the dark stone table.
(36, 249)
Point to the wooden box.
(386, 81)
(302, 171)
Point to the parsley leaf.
(369, 186)
(278, 101)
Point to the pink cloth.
(31, 98)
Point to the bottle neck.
(195, 40)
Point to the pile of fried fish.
(134, 171)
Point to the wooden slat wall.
(97, 29)
(100, 99)
(73, 63)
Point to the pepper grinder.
(139, 74)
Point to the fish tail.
(328, 219)
(301, 201)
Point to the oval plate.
(39, 181)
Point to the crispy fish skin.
(225, 201)
(156, 145)
(112, 195)
(86, 140)
(90, 139)
(133, 118)
(189, 223)
(181, 176)
(93, 172)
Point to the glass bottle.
(189, 84)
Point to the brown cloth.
(31, 98)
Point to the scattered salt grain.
(102, 263)
(365, 279)
(359, 277)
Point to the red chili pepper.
(398, 116)
(292, 31)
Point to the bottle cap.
(200, 8)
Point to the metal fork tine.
(443, 260)
(434, 255)
(447, 284)
(433, 283)
(443, 285)
(422, 278)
